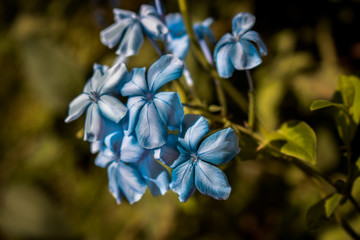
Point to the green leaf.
(355, 110)
(345, 125)
(296, 139)
(319, 214)
(331, 204)
(319, 104)
(347, 90)
(214, 108)
(315, 216)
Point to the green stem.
(354, 202)
(251, 115)
(196, 49)
(346, 226)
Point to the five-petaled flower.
(151, 113)
(131, 168)
(194, 163)
(99, 102)
(129, 29)
(236, 50)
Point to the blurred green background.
(49, 185)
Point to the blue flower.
(131, 168)
(237, 50)
(98, 102)
(151, 113)
(178, 41)
(193, 164)
(129, 29)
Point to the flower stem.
(196, 49)
(160, 9)
(251, 114)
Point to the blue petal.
(255, 37)
(130, 150)
(183, 181)
(152, 23)
(112, 108)
(250, 58)
(101, 69)
(224, 64)
(238, 56)
(226, 39)
(170, 109)
(156, 176)
(178, 46)
(211, 181)
(95, 146)
(169, 152)
(136, 83)
(175, 24)
(77, 107)
(135, 104)
(105, 157)
(131, 183)
(220, 147)
(94, 124)
(113, 141)
(167, 68)
(194, 128)
(112, 35)
(242, 22)
(150, 131)
(131, 41)
(113, 183)
(95, 81)
(109, 128)
(120, 14)
(203, 30)
(113, 79)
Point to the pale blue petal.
(120, 14)
(242, 22)
(112, 35)
(237, 56)
(112, 108)
(136, 83)
(203, 30)
(131, 183)
(223, 61)
(130, 150)
(226, 39)
(220, 147)
(156, 176)
(77, 107)
(113, 183)
(105, 157)
(95, 146)
(195, 128)
(150, 131)
(211, 181)
(184, 157)
(95, 81)
(169, 152)
(102, 68)
(113, 79)
(175, 24)
(113, 141)
(167, 68)
(178, 46)
(135, 104)
(94, 124)
(255, 37)
(251, 57)
(183, 181)
(170, 109)
(131, 41)
(151, 22)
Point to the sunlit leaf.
(331, 204)
(296, 139)
(319, 104)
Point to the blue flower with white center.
(152, 112)
(178, 41)
(194, 163)
(131, 168)
(237, 50)
(129, 29)
(98, 102)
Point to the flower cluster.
(134, 140)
